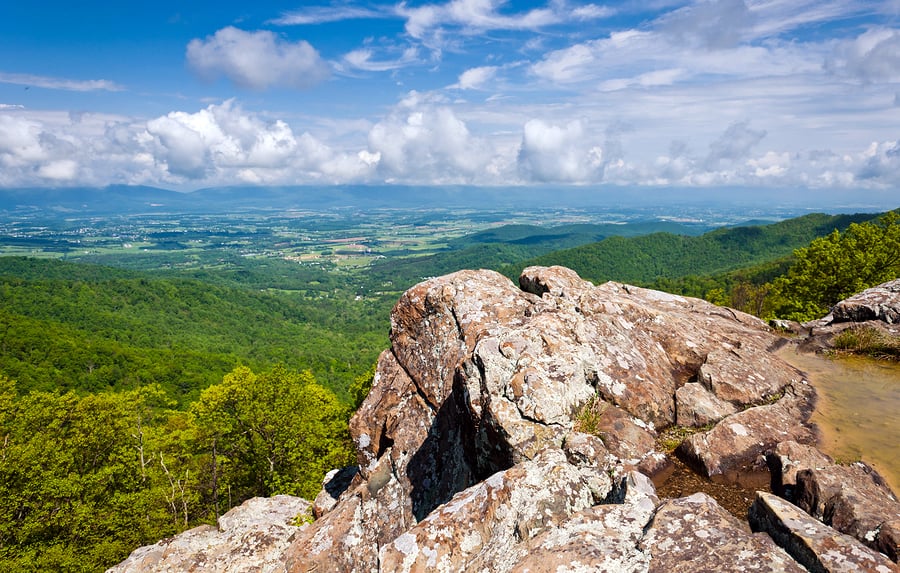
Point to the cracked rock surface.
(516, 428)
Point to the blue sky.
(737, 93)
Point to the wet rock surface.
(516, 428)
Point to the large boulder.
(251, 538)
(484, 381)
(812, 543)
(516, 429)
(881, 302)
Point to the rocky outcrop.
(852, 499)
(251, 538)
(877, 303)
(812, 543)
(876, 308)
(517, 428)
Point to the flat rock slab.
(813, 544)
(854, 500)
(734, 450)
(696, 535)
(251, 538)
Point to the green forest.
(136, 404)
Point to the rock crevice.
(516, 429)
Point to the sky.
(794, 94)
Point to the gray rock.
(881, 302)
(734, 450)
(252, 537)
(486, 527)
(696, 535)
(816, 546)
(696, 406)
(787, 459)
(854, 500)
(335, 483)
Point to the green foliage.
(272, 433)
(78, 487)
(837, 266)
(869, 341)
(106, 329)
(648, 258)
(84, 480)
(587, 420)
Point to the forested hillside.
(89, 328)
(648, 258)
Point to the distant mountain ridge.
(132, 199)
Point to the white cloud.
(221, 140)
(363, 59)
(475, 78)
(592, 12)
(61, 170)
(324, 14)
(874, 56)
(470, 17)
(257, 60)
(551, 153)
(734, 144)
(421, 140)
(716, 24)
(29, 80)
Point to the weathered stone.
(881, 302)
(484, 527)
(734, 450)
(696, 535)
(250, 538)
(469, 459)
(586, 450)
(335, 483)
(348, 538)
(854, 500)
(696, 406)
(600, 538)
(786, 460)
(813, 544)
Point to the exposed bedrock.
(517, 428)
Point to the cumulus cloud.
(422, 140)
(552, 153)
(222, 140)
(256, 60)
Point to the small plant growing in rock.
(588, 418)
(671, 437)
(303, 518)
(868, 341)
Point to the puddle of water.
(858, 412)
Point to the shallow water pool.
(858, 412)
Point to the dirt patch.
(683, 481)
